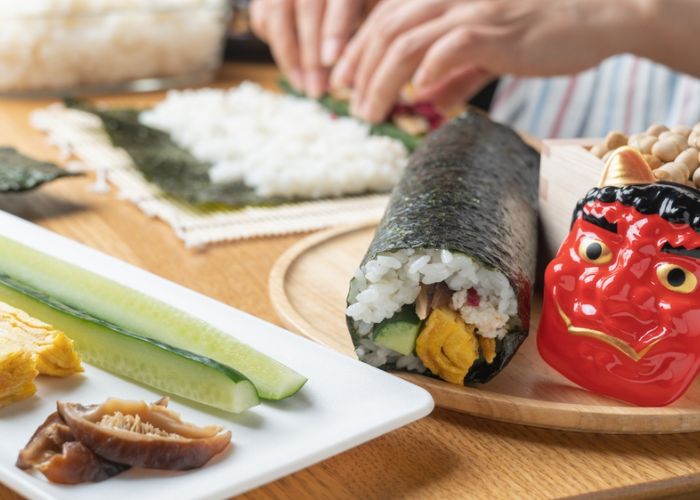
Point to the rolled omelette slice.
(17, 373)
(445, 287)
(52, 349)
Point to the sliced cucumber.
(399, 332)
(146, 361)
(144, 316)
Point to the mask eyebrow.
(687, 252)
(601, 222)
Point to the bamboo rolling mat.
(85, 146)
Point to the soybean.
(690, 158)
(694, 140)
(653, 161)
(646, 143)
(657, 129)
(674, 172)
(665, 150)
(642, 142)
(681, 130)
(672, 136)
(599, 150)
(615, 140)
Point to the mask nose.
(626, 290)
(644, 298)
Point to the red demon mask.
(621, 312)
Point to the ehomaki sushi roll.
(445, 286)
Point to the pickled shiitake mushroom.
(143, 435)
(54, 452)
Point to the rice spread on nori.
(457, 244)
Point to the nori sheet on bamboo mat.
(172, 168)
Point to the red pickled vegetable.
(473, 298)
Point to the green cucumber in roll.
(457, 248)
(399, 332)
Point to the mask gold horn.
(624, 167)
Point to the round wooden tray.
(308, 285)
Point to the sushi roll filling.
(461, 309)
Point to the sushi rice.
(280, 145)
(385, 284)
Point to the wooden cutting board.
(308, 285)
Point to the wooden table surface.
(447, 455)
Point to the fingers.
(281, 37)
(338, 21)
(292, 29)
(257, 18)
(309, 16)
(396, 69)
(455, 89)
(460, 46)
(386, 30)
(343, 72)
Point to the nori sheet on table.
(21, 173)
(471, 187)
(173, 169)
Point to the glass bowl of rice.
(60, 47)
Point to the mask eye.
(594, 251)
(676, 279)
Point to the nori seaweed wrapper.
(172, 168)
(21, 173)
(472, 188)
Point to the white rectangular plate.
(344, 403)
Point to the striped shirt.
(624, 93)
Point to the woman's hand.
(306, 37)
(451, 48)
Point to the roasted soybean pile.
(445, 286)
(672, 153)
